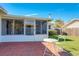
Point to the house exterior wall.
(23, 38)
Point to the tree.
(58, 23)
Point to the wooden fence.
(72, 31)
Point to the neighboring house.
(72, 28)
(15, 28)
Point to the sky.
(64, 11)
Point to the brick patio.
(27, 49)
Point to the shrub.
(53, 36)
(52, 32)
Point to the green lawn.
(71, 45)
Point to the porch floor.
(27, 49)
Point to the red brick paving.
(26, 49)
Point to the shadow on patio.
(65, 53)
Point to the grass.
(71, 45)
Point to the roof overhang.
(23, 17)
(3, 10)
(69, 23)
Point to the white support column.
(0, 26)
(24, 27)
(34, 27)
(41, 27)
(47, 29)
(13, 26)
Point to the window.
(9, 27)
(19, 27)
(38, 27)
(29, 30)
(41, 27)
(44, 27)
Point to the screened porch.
(23, 27)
